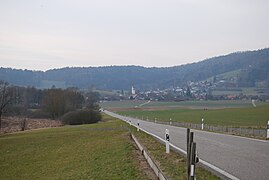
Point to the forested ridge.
(253, 65)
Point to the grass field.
(121, 105)
(229, 113)
(243, 117)
(77, 152)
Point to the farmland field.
(70, 152)
(237, 117)
(228, 113)
(128, 104)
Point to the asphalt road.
(243, 158)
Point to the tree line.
(68, 105)
(254, 66)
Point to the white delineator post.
(268, 129)
(167, 138)
(202, 124)
(170, 121)
(137, 125)
(253, 103)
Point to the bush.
(81, 117)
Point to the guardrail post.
(167, 138)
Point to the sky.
(47, 34)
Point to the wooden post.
(193, 161)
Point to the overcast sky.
(45, 34)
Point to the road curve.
(242, 158)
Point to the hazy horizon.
(130, 64)
(43, 35)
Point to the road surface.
(239, 157)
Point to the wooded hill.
(253, 68)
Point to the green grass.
(202, 104)
(227, 75)
(77, 152)
(173, 164)
(244, 117)
(121, 105)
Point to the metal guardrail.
(150, 161)
(227, 129)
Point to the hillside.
(252, 68)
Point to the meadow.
(236, 117)
(129, 104)
(97, 151)
(229, 113)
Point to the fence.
(262, 133)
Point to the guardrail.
(256, 132)
(215, 170)
(150, 161)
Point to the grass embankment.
(243, 117)
(173, 164)
(77, 152)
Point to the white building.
(133, 90)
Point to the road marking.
(213, 167)
(205, 163)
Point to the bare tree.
(5, 98)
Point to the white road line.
(211, 166)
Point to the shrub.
(88, 116)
